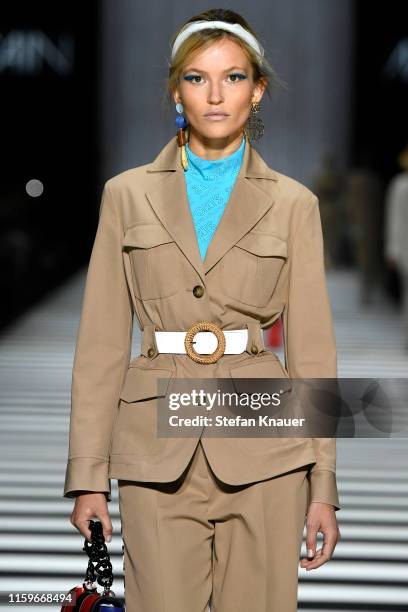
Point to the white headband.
(235, 28)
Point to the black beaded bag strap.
(100, 567)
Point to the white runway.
(41, 551)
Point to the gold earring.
(254, 126)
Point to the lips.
(216, 116)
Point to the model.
(205, 243)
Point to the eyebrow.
(204, 72)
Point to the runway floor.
(41, 551)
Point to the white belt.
(205, 342)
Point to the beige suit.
(265, 258)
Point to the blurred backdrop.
(82, 88)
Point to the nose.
(215, 94)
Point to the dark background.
(49, 133)
(380, 99)
(50, 73)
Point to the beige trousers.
(198, 541)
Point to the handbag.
(86, 598)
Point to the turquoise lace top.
(209, 184)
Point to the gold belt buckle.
(204, 326)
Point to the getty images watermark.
(282, 407)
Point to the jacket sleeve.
(101, 357)
(310, 346)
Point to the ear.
(259, 89)
(176, 95)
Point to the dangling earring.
(181, 124)
(254, 126)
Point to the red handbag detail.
(86, 598)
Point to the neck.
(212, 149)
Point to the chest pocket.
(252, 268)
(155, 261)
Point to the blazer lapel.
(168, 198)
(246, 205)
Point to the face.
(218, 78)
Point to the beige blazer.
(265, 259)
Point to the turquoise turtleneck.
(209, 184)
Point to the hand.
(320, 517)
(89, 506)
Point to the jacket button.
(254, 349)
(150, 352)
(198, 291)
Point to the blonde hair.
(205, 38)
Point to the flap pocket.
(267, 367)
(146, 235)
(263, 244)
(143, 383)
